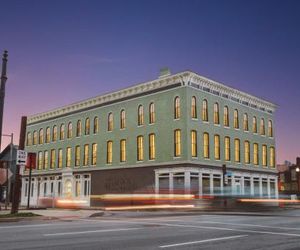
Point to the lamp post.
(298, 179)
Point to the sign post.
(30, 163)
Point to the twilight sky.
(62, 51)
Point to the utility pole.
(2, 90)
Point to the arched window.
(237, 155)
(217, 147)
(96, 125)
(40, 160)
(204, 111)
(262, 126)
(255, 154)
(54, 133)
(246, 127)
(140, 148)
(152, 149)
(177, 142)
(264, 155)
(205, 145)
(194, 143)
(60, 158)
(216, 114)
(270, 128)
(29, 139)
(48, 135)
(78, 128)
(236, 119)
(176, 107)
(151, 113)
(272, 157)
(46, 159)
(70, 130)
(122, 119)
(68, 157)
(94, 154)
(110, 122)
(87, 126)
(77, 156)
(52, 158)
(109, 153)
(140, 115)
(41, 136)
(254, 124)
(62, 132)
(35, 139)
(123, 150)
(227, 148)
(247, 152)
(226, 117)
(194, 107)
(86, 155)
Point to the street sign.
(3, 176)
(31, 161)
(21, 157)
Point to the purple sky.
(65, 51)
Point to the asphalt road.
(155, 232)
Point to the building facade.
(173, 133)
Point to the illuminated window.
(52, 159)
(122, 119)
(194, 143)
(236, 119)
(109, 152)
(48, 135)
(237, 155)
(69, 133)
(40, 160)
(123, 150)
(96, 125)
(62, 132)
(77, 156)
(227, 148)
(194, 107)
(110, 122)
(60, 158)
(272, 157)
(46, 159)
(94, 153)
(262, 126)
(246, 127)
(255, 154)
(140, 148)
(264, 155)
(152, 149)
(226, 117)
(176, 107)
(41, 136)
(35, 139)
(177, 142)
(140, 115)
(86, 155)
(216, 114)
(270, 129)
(247, 152)
(254, 124)
(205, 145)
(29, 139)
(151, 113)
(87, 126)
(217, 147)
(54, 133)
(78, 128)
(204, 111)
(68, 157)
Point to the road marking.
(94, 231)
(203, 241)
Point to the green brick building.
(173, 133)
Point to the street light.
(298, 171)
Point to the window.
(69, 134)
(140, 115)
(237, 156)
(151, 113)
(204, 111)
(54, 133)
(68, 157)
(226, 117)
(246, 127)
(35, 138)
(96, 125)
(86, 155)
(40, 160)
(272, 157)
(270, 129)
(254, 124)
(77, 156)
(152, 149)
(109, 152)
(217, 147)
(227, 148)
(52, 159)
(177, 142)
(46, 159)
(110, 122)
(94, 153)
(87, 126)
(62, 132)
(216, 114)
(123, 150)
(255, 154)
(78, 128)
(29, 139)
(122, 119)
(247, 152)
(47, 135)
(194, 107)
(60, 158)
(41, 136)
(194, 143)
(262, 126)
(176, 107)
(236, 119)
(206, 145)
(140, 148)
(264, 155)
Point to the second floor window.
(194, 143)
(247, 152)
(68, 157)
(227, 148)
(217, 147)
(77, 156)
(109, 152)
(237, 155)
(94, 153)
(255, 154)
(52, 159)
(123, 150)
(86, 155)
(272, 157)
(60, 158)
(152, 150)
(140, 148)
(206, 145)
(264, 155)
(177, 142)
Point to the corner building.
(173, 133)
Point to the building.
(171, 133)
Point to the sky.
(66, 51)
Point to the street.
(167, 231)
